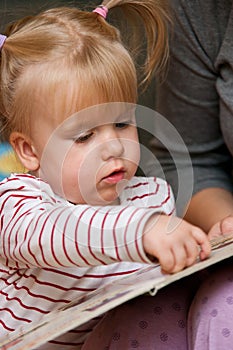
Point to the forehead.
(73, 110)
(62, 97)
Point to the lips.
(115, 177)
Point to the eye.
(122, 125)
(83, 138)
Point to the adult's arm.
(193, 98)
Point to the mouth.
(115, 177)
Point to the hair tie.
(101, 10)
(2, 40)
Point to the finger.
(215, 231)
(203, 242)
(167, 261)
(180, 257)
(226, 225)
(192, 252)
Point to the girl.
(79, 218)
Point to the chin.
(104, 200)
(110, 200)
(101, 199)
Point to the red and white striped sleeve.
(40, 229)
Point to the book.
(148, 279)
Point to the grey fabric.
(197, 94)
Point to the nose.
(112, 147)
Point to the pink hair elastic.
(2, 40)
(101, 10)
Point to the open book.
(146, 280)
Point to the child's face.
(88, 157)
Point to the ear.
(25, 151)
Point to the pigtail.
(155, 17)
(9, 67)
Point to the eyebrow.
(71, 126)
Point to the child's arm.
(39, 230)
(174, 242)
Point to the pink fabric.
(211, 314)
(178, 318)
(147, 322)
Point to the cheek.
(78, 169)
(52, 163)
(132, 149)
(70, 178)
(137, 152)
(71, 166)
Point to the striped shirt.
(52, 251)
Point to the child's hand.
(174, 242)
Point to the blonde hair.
(63, 44)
